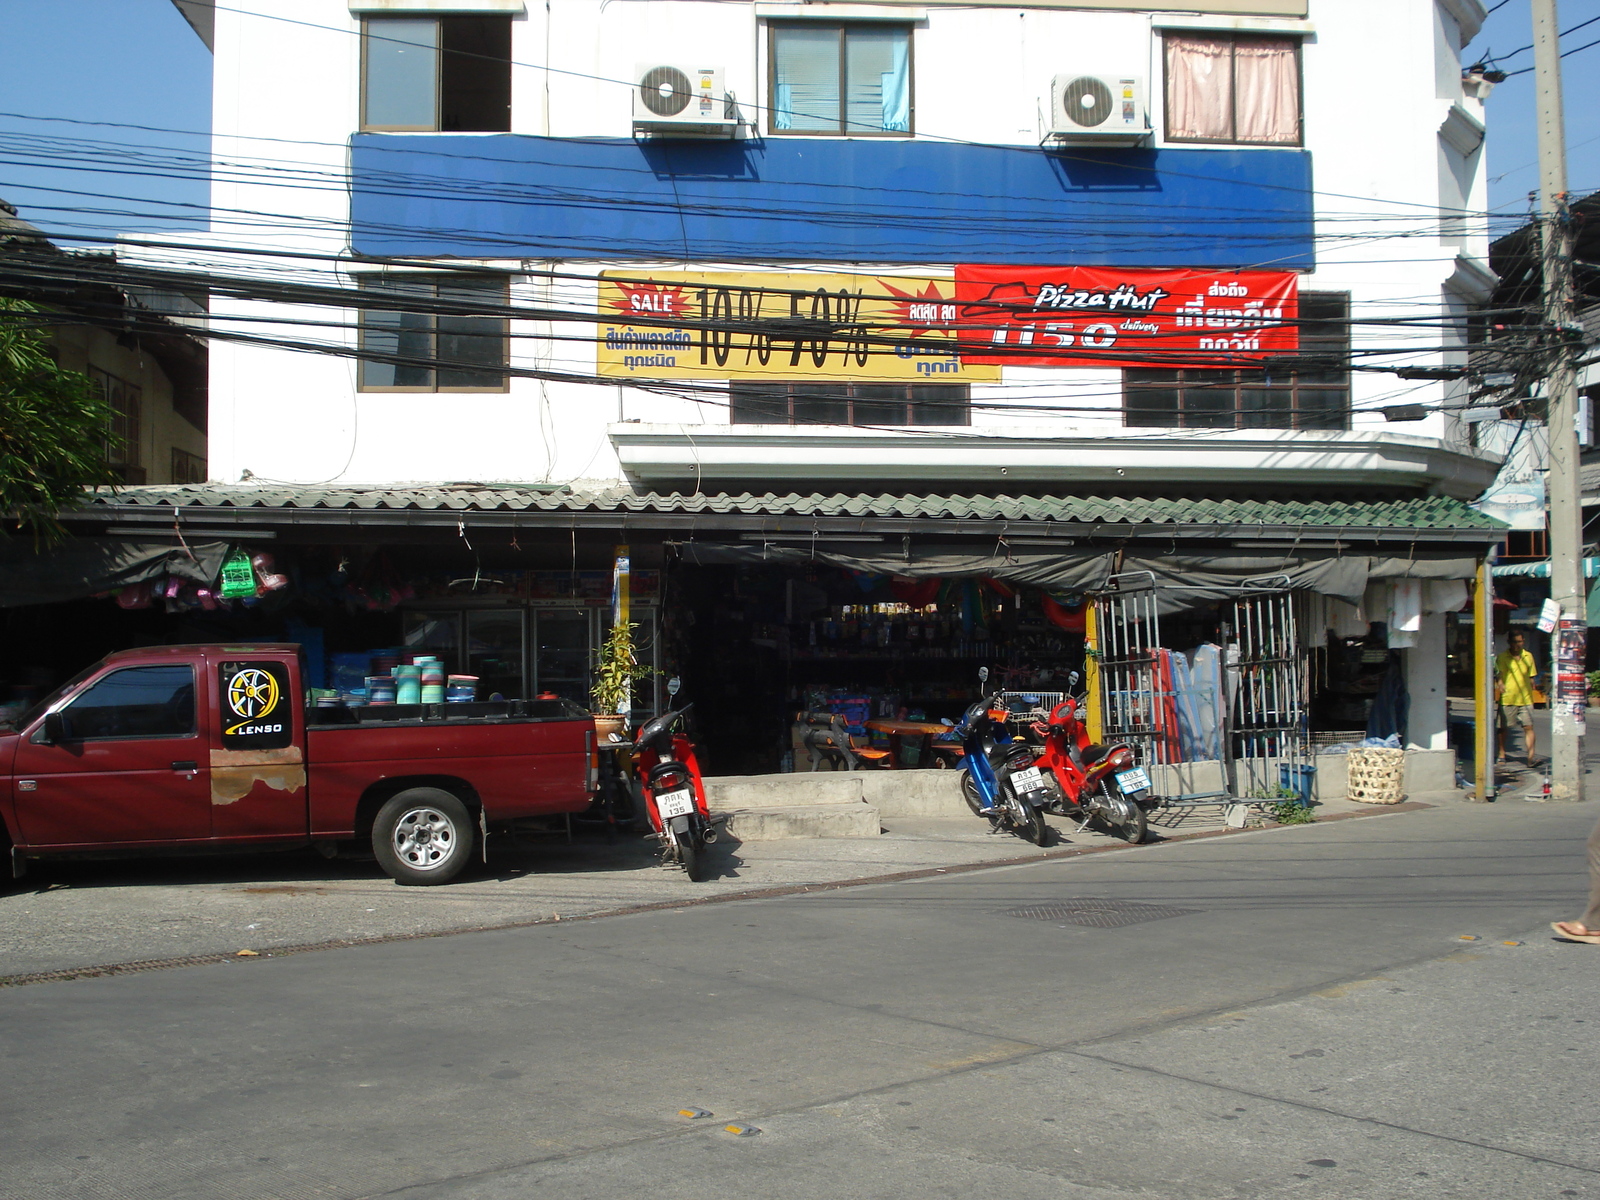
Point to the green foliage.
(1292, 812)
(1594, 683)
(617, 670)
(54, 426)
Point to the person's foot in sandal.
(1577, 931)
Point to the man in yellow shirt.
(1514, 673)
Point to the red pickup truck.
(212, 748)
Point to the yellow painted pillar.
(1091, 673)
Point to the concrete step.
(927, 793)
(774, 822)
(783, 791)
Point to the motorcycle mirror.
(1073, 678)
(673, 685)
(947, 721)
(983, 674)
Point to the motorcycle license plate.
(1133, 781)
(1027, 780)
(675, 804)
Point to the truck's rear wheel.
(423, 836)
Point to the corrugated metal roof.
(1420, 513)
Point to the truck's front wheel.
(423, 836)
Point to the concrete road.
(67, 915)
(1291, 1012)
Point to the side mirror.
(55, 728)
(673, 685)
(983, 674)
(1072, 679)
(947, 722)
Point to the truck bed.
(521, 758)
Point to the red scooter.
(674, 796)
(1090, 781)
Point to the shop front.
(1330, 617)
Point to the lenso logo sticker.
(255, 714)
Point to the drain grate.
(1098, 914)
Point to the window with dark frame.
(450, 74)
(124, 445)
(845, 403)
(187, 467)
(420, 349)
(849, 78)
(1236, 88)
(1313, 395)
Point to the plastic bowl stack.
(408, 684)
(431, 679)
(461, 689)
(380, 690)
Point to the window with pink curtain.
(1224, 87)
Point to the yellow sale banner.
(789, 326)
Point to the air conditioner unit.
(1098, 109)
(683, 101)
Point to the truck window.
(136, 702)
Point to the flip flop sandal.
(1561, 928)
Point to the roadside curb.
(66, 974)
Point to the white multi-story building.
(646, 257)
(1335, 140)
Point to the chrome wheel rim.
(424, 838)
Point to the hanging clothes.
(1315, 616)
(1391, 706)
(1404, 612)
(1190, 742)
(1347, 620)
(1205, 674)
(1168, 743)
(1444, 595)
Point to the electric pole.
(1567, 692)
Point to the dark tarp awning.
(1183, 581)
(1063, 572)
(86, 567)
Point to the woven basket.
(1377, 776)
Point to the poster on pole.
(1113, 317)
(1572, 683)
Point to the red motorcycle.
(1089, 781)
(674, 796)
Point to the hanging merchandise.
(1348, 621)
(1404, 613)
(136, 595)
(1072, 618)
(269, 580)
(1444, 595)
(238, 577)
(917, 593)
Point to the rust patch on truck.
(235, 773)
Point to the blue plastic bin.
(1299, 779)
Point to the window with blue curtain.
(852, 79)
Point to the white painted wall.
(1379, 79)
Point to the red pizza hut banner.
(1104, 317)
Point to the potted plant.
(614, 677)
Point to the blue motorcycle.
(998, 778)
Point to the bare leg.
(1588, 928)
(1591, 919)
(1529, 740)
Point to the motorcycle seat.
(1094, 753)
